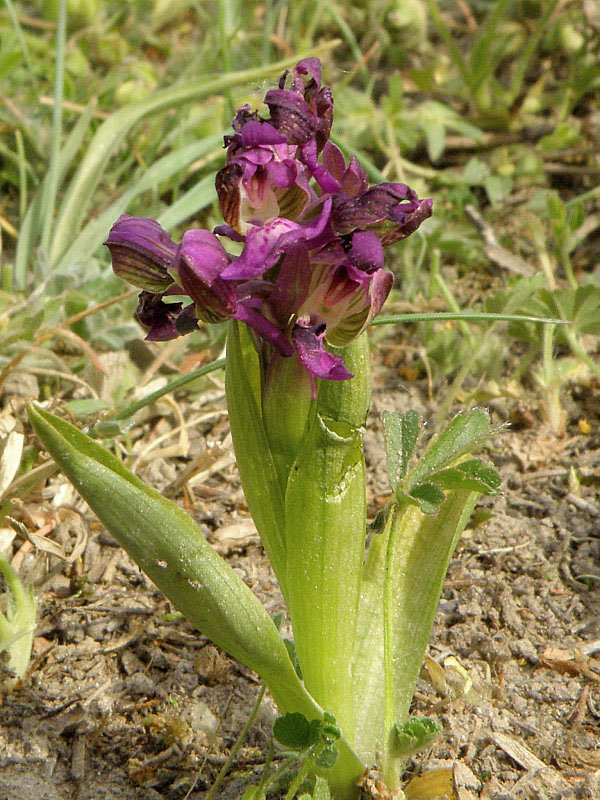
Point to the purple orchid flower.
(392, 210)
(310, 273)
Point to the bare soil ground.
(124, 702)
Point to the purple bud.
(392, 210)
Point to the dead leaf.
(571, 662)
(11, 449)
(435, 784)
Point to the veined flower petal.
(393, 210)
(141, 252)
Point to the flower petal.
(292, 284)
(199, 265)
(141, 252)
(366, 252)
(161, 318)
(255, 133)
(291, 115)
(392, 209)
(265, 328)
(316, 358)
(265, 244)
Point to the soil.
(123, 701)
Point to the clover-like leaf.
(293, 730)
(466, 432)
(414, 734)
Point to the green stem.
(325, 512)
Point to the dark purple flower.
(310, 274)
(392, 210)
(163, 319)
(200, 260)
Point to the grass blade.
(30, 225)
(95, 232)
(56, 141)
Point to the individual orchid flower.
(270, 161)
(262, 178)
(392, 210)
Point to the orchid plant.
(298, 270)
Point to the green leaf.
(327, 757)
(170, 548)
(291, 648)
(194, 200)
(252, 793)
(321, 790)
(87, 405)
(261, 486)
(31, 226)
(415, 734)
(401, 434)
(464, 433)
(429, 496)
(475, 172)
(293, 730)
(471, 475)
(17, 625)
(497, 187)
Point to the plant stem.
(236, 746)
